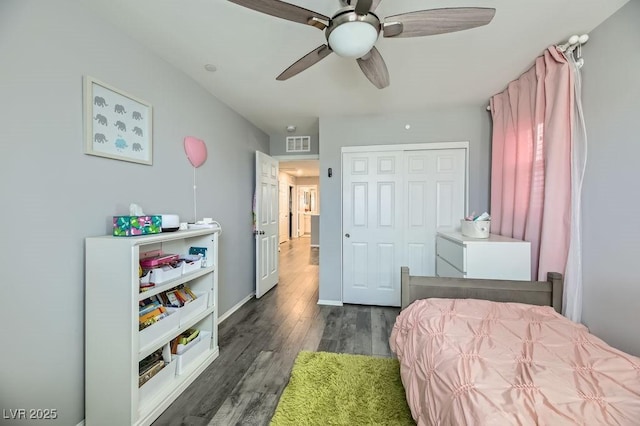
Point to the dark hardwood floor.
(260, 341)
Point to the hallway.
(259, 343)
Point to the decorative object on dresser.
(495, 257)
(170, 222)
(476, 226)
(134, 314)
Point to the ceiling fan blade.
(437, 21)
(363, 7)
(305, 62)
(374, 68)
(284, 10)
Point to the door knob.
(347, 235)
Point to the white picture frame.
(117, 125)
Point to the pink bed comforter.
(474, 362)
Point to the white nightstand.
(496, 257)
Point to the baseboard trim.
(234, 308)
(81, 423)
(330, 302)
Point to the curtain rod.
(575, 41)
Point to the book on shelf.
(149, 360)
(153, 317)
(153, 313)
(178, 297)
(183, 296)
(155, 369)
(154, 308)
(190, 293)
(150, 366)
(173, 299)
(145, 309)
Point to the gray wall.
(278, 144)
(53, 195)
(440, 125)
(611, 234)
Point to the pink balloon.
(196, 150)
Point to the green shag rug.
(342, 389)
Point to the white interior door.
(394, 202)
(372, 227)
(435, 197)
(266, 232)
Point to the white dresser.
(496, 257)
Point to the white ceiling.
(250, 49)
(301, 168)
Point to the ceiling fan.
(353, 30)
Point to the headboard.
(545, 293)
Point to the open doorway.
(299, 204)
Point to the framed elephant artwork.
(116, 124)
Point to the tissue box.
(130, 226)
(475, 228)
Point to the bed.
(491, 352)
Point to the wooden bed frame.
(545, 293)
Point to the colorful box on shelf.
(131, 226)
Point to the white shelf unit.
(496, 257)
(113, 344)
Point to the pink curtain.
(531, 161)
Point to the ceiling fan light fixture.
(353, 39)
(354, 29)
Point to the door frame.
(290, 157)
(399, 147)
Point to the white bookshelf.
(113, 344)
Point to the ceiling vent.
(298, 143)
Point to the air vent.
(298, 143)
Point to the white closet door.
(372, 227)
(394, 202)
(435, 200)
